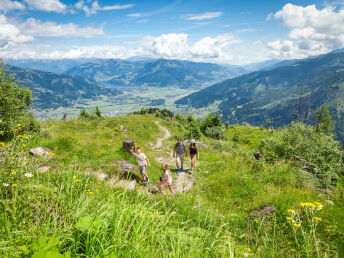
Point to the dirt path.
(166, 136)
(184, 181)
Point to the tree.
(98, 112)
(84, 113)
(323, 120)
(14, 104)
(227, 125)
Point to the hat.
(193, 141)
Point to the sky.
(217, 31)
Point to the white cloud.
(47, 5)
(10, 34)
(312, 31)
(246, 30)
(36, 28)
(257, 42)
(96, 7)
(136, 14)
(201, 16)
(143, 21)
(7, 5)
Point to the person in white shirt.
(143, 161)
(166, 178)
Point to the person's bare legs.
(170, 188)
(159, 187)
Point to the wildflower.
(320, 207)
(2, 144)
(246, 254)
(74, 177)
(317, 218)
(24, 145)
(13, 158)
(51, 153)
(288, 218)
(77, 181)
(5, 184)
(14, 185)
(28, 175)
(317, 203)
(292, 211)
(297, 225)
(293, 250)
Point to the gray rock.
(263, 212)
(258, 155)
(128, 145)
(40, 152)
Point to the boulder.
(258, 155)
(40, 152)
(128, 145)
(263, 212)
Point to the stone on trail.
(263, 212)
(128, 145)
(40, 152)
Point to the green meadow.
(238, 207)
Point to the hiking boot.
(182, 168)
(191, 171)
(177, 172)
(147, 180)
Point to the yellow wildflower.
(14, 185)
(292, 211)
(288, 218)
(77, 181)
(293, 250)
(297, 225)
(2, 144)
(320, 207)
(51, 153)
(13, 158)
(317, 203)
(317, 218)
(74, 177)
(24, 145)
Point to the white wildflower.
(4, 184)
(28, 175)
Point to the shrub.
(14, 103)
(210, 121)
(314, 151)
(83, 114)
(215, 132)
(193, 130)
(98, 112)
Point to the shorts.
(179, 159)
(143, 169)
(169, 182)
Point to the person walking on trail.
(166, 178)
(143, 161)
(178, 153)
(193, 151)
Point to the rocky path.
(182, 182)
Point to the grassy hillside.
(71, 212)
(273, 95)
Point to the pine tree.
(324, 122)
(98, 112)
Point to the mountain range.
(273, 96)
(52, 90)
(158, 73)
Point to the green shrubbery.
(14, 104)
(315, 151)
(96, 114)
(215, 132)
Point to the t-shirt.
(141, 159)
(180, 148)
(167, 174)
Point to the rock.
(126, 184)
(40, 152)
(43, 169)
(123, 166)
(263, 212)
(258, 155)
(200, 144)
(128, 145)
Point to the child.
(143, 161)
(165, 178)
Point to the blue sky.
(220, 31)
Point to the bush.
(193, 131)
(210, 121)
(83, 114)
(314, 151)
(215, 132)
(14, 103)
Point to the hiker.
(178, 153)
(166, 178)
(193, 151)
(143, 161)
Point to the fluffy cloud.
(10, 34)
(47, 5)
(202, 16)
(312, 31)
(35, 27)
(7, 5)
(89, 10)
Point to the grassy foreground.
(66, 212)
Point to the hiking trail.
(184, 181)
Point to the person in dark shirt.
(178, 153)
(193, 151)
